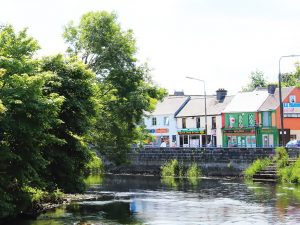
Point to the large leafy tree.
(27, 115)
(257, 79)
(125, 88)
(78, 86)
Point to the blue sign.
(291, 105)
(151, 131)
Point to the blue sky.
(219, 41)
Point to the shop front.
(161, 138)
(191, 137)
(267, 137)
(239, 137)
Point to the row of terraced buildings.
(247, 119)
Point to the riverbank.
(37, 209)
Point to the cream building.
(191, 120)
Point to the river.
(150, 200)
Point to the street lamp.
(280, 98)
(205, 111)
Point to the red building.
(291, 113)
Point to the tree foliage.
(28, 115)
(291, 79)
(257, 79)
(47, 107)
(125, 88)
(77, 85)
(54, 110)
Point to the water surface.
(150, 200)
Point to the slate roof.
(247, 101)
(196, 106)
(272, 102)
(169, 105)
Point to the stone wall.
(212, 161)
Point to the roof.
(169, 105)
(272, 102)
(247, 101)
(196, 106)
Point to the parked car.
(293, 144)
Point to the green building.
(245, 125)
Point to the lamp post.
(280, 98)
(205, 111)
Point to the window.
(198, 122)
(185, 139)
(154, 121)
(173, 138)
(293, 137)
(266, 119)
(213, 123)
(183, 122)
(166, 121)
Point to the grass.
(257, 166)
(287, 173)
(291, 173)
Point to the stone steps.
(269, 174)
(264, 180)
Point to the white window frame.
(166, 121)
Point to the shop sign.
(267, 130)
(191, 131)
(291, 107)
(162, 130)
(239, 131)
(158, 131)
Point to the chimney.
(272, 88)
(221, 93)
(179, 93)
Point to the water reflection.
(151, 200)
(94, 179)
(284, 198)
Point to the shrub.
(38, 196)
(193, 171)
(56, 196)
(281, 157)
(256, 166)
(171, 169)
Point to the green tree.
(28, 113)
(16, 51)
(125, 87)
(78, 86)
(292, 79)
(257, 79)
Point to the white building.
(191, 120)
(162, 122)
